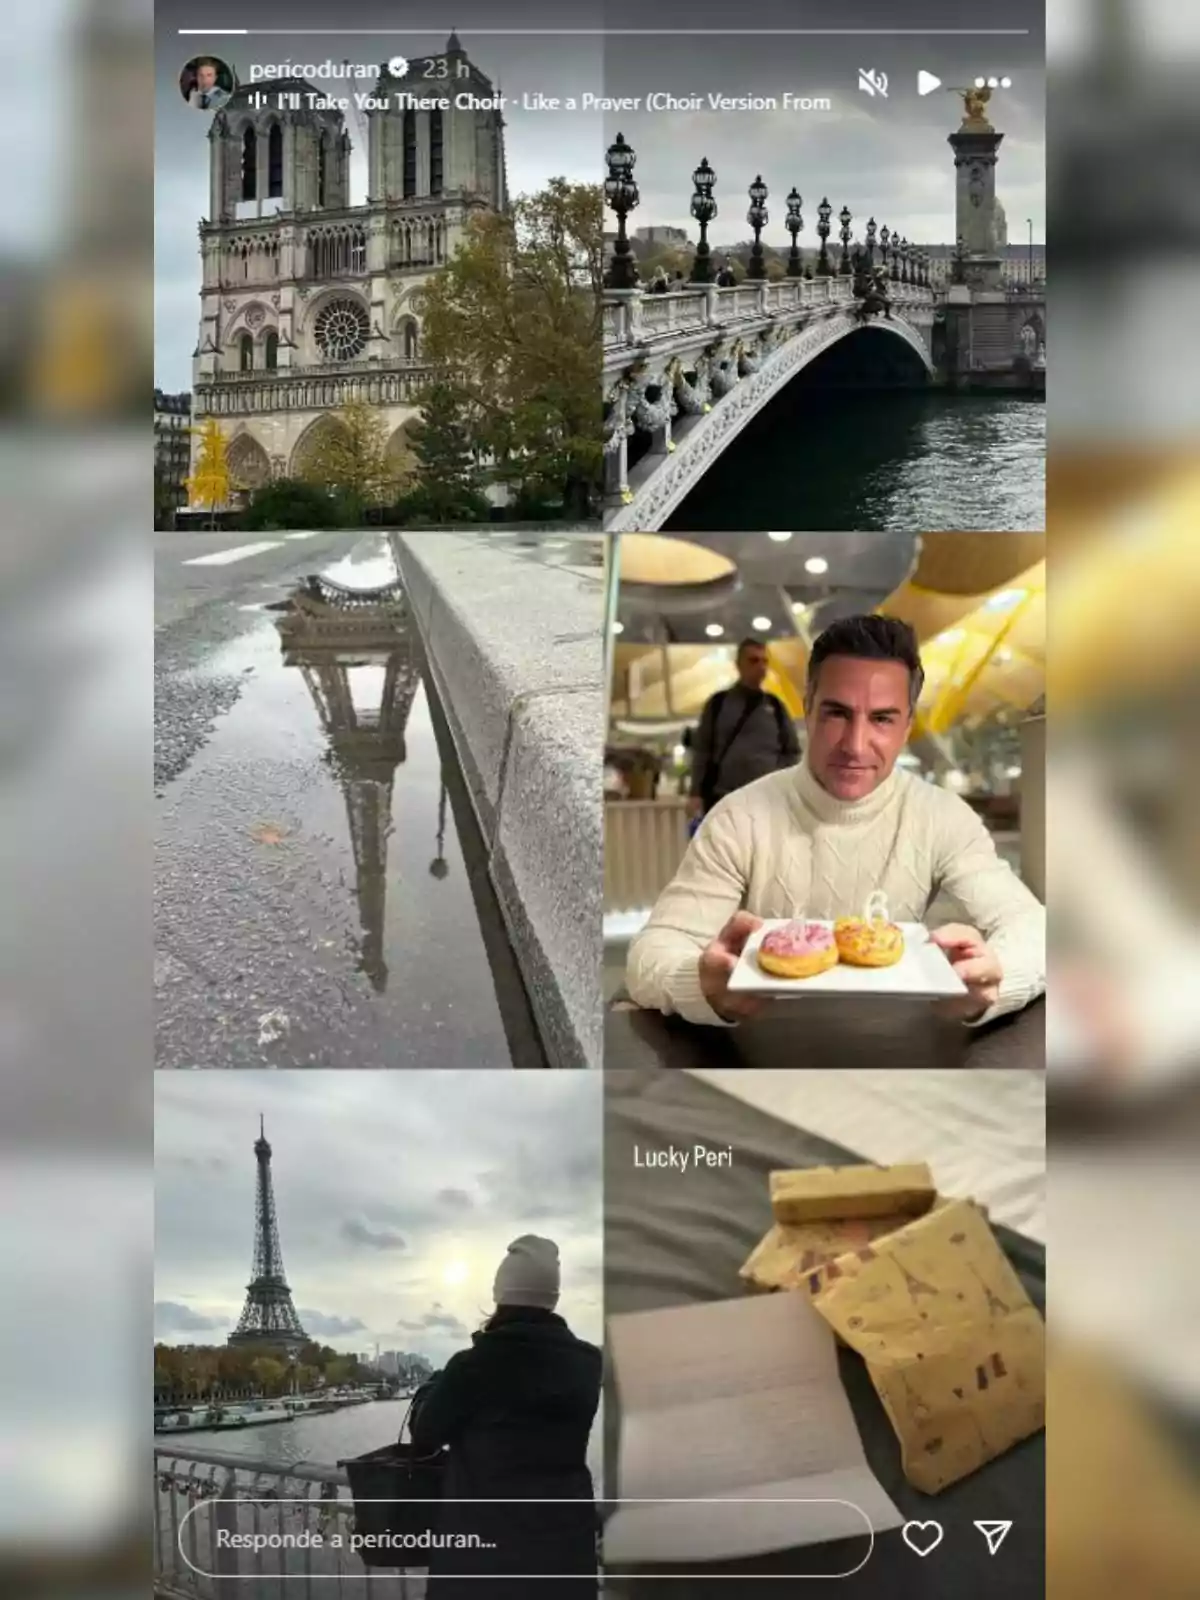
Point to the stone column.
(376, 124)
(218, 155)
(975, 147)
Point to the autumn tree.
(513, 320)
(210, 483)
(349, 457)
(268, 1373)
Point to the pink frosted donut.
(798, 950)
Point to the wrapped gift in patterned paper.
(815, 1194)
(952, 1343)
(786, 1257)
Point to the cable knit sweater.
(785, 847)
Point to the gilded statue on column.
(975, 106)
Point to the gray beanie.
(528, 1275)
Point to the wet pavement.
(321, 897)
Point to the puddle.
(321, 897)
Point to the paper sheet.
(735, 1400)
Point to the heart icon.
(922, 1537)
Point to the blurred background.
(977, 602)
(1123, 854)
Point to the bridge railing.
(202, 1498)
(633, 317)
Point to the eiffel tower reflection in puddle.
(331, 633)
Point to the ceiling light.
(1004, 656)
(618, 627)
(951, 636)
(816, 565)
(779, 538)
(1004, 599)
(714, 630)
(1012, 772)
(761, 624)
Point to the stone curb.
(516, 651)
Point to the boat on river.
(218, 1418)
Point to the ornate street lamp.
(924, 269)
(902, 257)
(704, 209)
(824, 211)
(845, 218)
(621, 193)
(871, 242)
(756, 216)
(885, 234)
(794, 225)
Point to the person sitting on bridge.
(658, 283)
(725, 277)
(817, 839)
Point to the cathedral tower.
(269, 158)
(418, 154)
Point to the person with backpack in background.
(744, 734)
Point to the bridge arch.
(659, 482)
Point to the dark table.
(674, 1240)
(819, 1033)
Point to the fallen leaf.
(268, 833)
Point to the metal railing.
(204, 1497)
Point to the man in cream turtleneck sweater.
(818, 839)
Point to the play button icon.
(927, 83)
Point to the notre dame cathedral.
(307, 301)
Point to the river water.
(904, 460)
(323, 1440)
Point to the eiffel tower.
(268, 1317)
(327, 631)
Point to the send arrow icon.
(995, 1533)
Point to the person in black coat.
(515, 1412)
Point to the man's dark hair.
(869, 638)
(750, 644)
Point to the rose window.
(342, 330)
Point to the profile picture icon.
(206, 83)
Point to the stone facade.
(308, 301)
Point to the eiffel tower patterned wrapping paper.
(952, 1343)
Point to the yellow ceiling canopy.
(976, 601)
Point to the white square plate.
(922, 972)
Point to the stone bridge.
(688, 370)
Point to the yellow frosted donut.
(860, 943)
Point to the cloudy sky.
(886, 158)
(396, 1194)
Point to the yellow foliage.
(210, 484)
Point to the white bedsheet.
(982, 1133)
